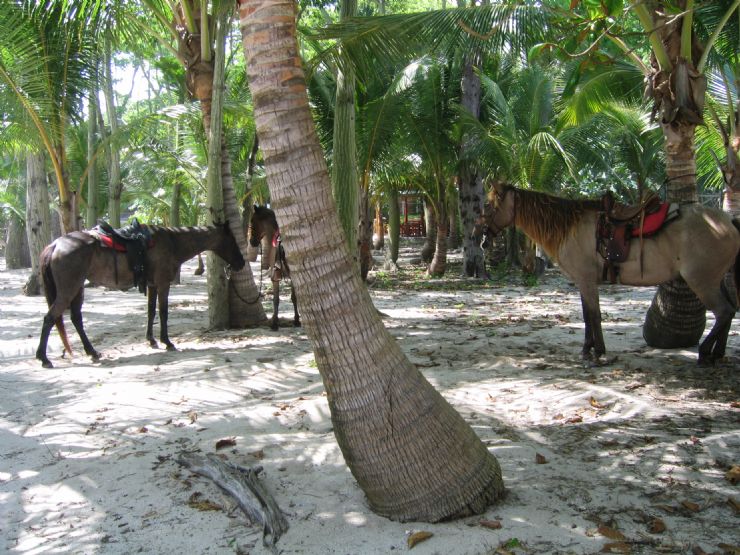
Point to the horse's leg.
(151, 310)
(163, 293)
(588, 341)
(274, 324)
(45, 330)
(592, 319)
(296, 317)
(714, 344)
(76, 315)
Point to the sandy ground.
(629, 457)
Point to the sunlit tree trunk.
(438, 266)
(38, 218)
(17, 255)
(410, 452)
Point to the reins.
(227, 271)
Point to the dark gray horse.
(71, 259)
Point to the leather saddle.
(619, 223)
(134, 240)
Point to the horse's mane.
(547, 219)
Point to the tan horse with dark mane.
(700, 245)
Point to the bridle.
(490, 228)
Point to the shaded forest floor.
(635, 456)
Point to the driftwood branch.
(244, 486)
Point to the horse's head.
(228, 248)
(498, 214)
(263, 223)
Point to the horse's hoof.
(153, 344)
(47, 364)
(95, 356)
(171, 347)
(274, 327)
(297, 324)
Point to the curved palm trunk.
(430, 240)
(411, 453)
(438, 266)
(394, 230)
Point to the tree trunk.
(453, 216)
(38, 218)
(365, 234)
(470, 183)
(344, 153)
(92, 165)
(17, 255)
(410, 452)
(218, 294)
(676, 317)
(115, 184)
(394, 230)
(430, 242)
(175, 214)
(438, 265)
(378, 228)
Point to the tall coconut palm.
(411, 453)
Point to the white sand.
(87, 450)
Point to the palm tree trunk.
(344, 158)
(470, 183)
(410, 452)
(378, 228)
(115, 184)
(676, 317)
(17, 255)
(430, 241)
(438, 265)
(394, 229)
(365, 234)
(38, 218)
(92, 170)
(218, 295)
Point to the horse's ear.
(499, 186)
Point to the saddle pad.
(108, 242)
(653, 222)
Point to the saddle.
(134, 240)
(619, 223)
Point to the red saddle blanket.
(110, 243)
(653, 222)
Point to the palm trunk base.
(676, 318)
(245, 303)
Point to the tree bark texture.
(411, 453)
(438, 265)
(394, 228)
(365, 234)
(38, 217)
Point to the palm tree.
(45, 58)
(411, 453)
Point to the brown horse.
(71, 259)
(700, 246)
(264, 224)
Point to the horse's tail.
(50, 292)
